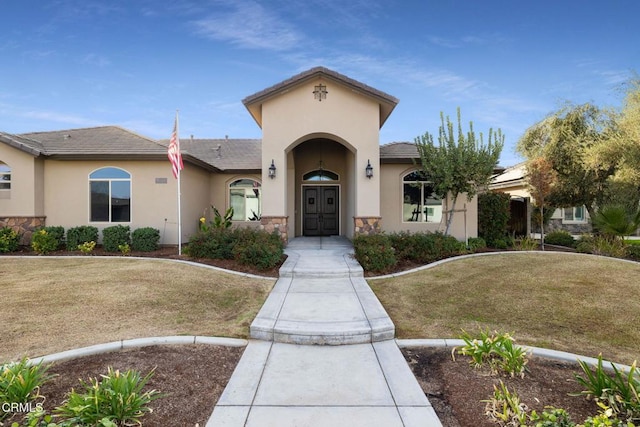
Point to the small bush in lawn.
(9, 240)
(259, 248)
(114, 236)
(476, 243)
(560, 238)
(375, 252)
(145, 239)
(78, 235)
(43, 242)
(118, 397)
(215, 243)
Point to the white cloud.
(96, 59)
(51, 116)
(249, 25)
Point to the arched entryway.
(323, 184)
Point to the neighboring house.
(318, 170)
(513, 182)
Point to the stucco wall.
(152, 204)
(26, 175)
(295, 116)
(391, 207)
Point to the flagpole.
(179, 188)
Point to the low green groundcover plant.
(9, 240)
(20, 382)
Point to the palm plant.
(617, 220)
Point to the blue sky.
(81, 63)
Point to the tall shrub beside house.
(145, 239)
(459, 164)
(115, 236)
(493, 218)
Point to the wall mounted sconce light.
(369, 169)
(272, 170)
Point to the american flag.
(175, 157)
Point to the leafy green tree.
(567, 139)
(458, 165)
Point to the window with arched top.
(320, 175)
(245, 197)
(419, 204)
(110, 195)
(5, 176)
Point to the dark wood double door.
(320, 212)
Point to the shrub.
(114, 236)
(526, 244)
(633, 252)
(78, 235)
(145, 239)
(602, 245)
(258, 248)
(20, 382)
(493, 216)
(216, 243)
(9, 240)
(424, 247)
(58, 233)
(118, 397)
(560, 238)
(43, 242)
(476, 243)
(374, 252)
(87, 247)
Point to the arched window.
(320, 175)
(419, 203)
(5, 176)
(110, 195)
(245, 197)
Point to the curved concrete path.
(285, 379)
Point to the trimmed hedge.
(79, 235)
(493, 218)
(246, 245)
(115, 236)
(47, 239)
(375, 252)
(145, 239)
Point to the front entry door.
(320, 216)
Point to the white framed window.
(245, 197)
(574, 214)
(5, 176)
(419, 204)
(110, 195)
(320, 175)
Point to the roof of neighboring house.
(387, 102)
(513, 175)
(27, 145)
(399, 152)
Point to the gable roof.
(254, 102)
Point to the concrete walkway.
(284, 380)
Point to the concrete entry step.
(322, 298)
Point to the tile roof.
(232, 154)
(399, 152)
(105, 141)
(27, 145)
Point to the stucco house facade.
(319, 170)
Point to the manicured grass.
(50, 305)
(577, 303)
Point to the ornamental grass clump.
(117, 398)
(496, 350)
(20, 382)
